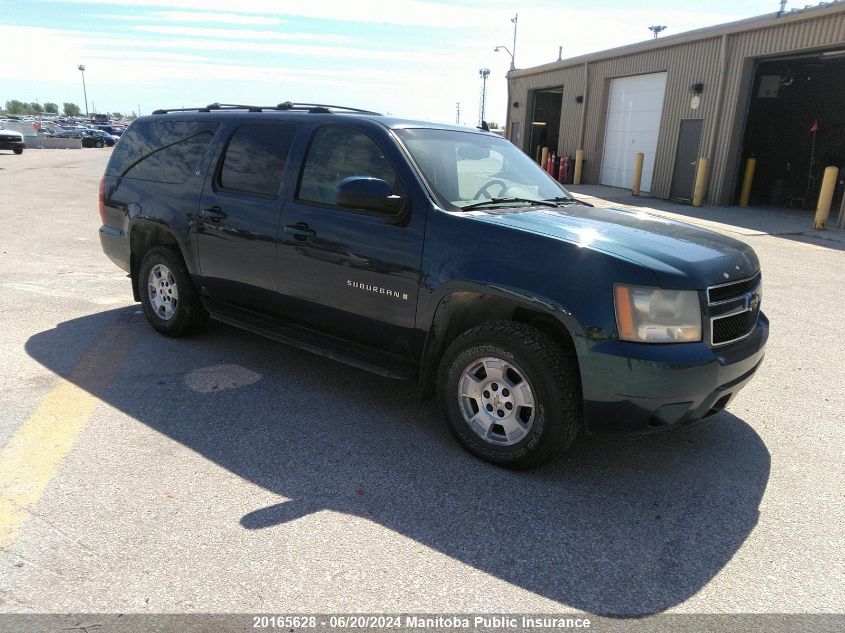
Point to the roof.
(768, 20)
(323, 112)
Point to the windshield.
(466, 168)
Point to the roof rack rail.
(314, 108)
(321, 107)
(233, 106)
(168, 110)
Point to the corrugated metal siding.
(789, 37)
(686, 63)
(572, 80)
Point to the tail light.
(102, 199)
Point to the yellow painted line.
(37, 449)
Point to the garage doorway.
(795, 128)
(634, 110)
(635, 106)
(545, 120)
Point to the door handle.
(300, 231)
(215, 214)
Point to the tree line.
(14, 106)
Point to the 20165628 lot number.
(284, 621)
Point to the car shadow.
(623, 526)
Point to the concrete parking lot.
(230, 473)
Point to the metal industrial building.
(772, 87)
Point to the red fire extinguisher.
(550, 163)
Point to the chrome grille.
(734, 308)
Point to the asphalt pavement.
(226, 472)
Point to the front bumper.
(12, 145)
(639, 387)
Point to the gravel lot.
(231, 473)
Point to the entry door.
(686, 160)
(634, 110)
(347, 273)
(239, 216)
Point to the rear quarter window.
(161, 151)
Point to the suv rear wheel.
(509, 394)
(170, 301)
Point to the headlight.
(655, 315)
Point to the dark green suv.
(435, 253)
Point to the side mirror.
(369, 194)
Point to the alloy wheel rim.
(496, 401)
(163, 293)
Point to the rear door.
(348, 273)
(239, 216)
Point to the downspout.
(720, 92)
(584, 106)
(508, 111)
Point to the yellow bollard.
(701, 173)
(579, 163)
(750, 166)
(825, 197)
(544, 156)
(638, 173)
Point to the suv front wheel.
(509, 394)
(170, 301)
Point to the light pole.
(514, 20)
(507, 50)
(656, 30)
(84, 90)
(484, 73)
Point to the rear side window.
(255, 158)
(161, 151)
(337, 153)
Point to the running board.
(354, 354)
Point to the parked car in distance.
(10, 139)
(434, 253)
(97, 138)
(68, 133)
(109, 129)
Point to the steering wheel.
(486, 194)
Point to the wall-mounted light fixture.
(516, 104)
(696, 88)
(579, 99)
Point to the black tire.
(99, 144)
(18, 151)
(188, 316)
(552, 376)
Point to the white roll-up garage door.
(633, 123)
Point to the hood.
(681, 255)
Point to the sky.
(409, 58)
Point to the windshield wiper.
(487, 203)
(568, 199)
